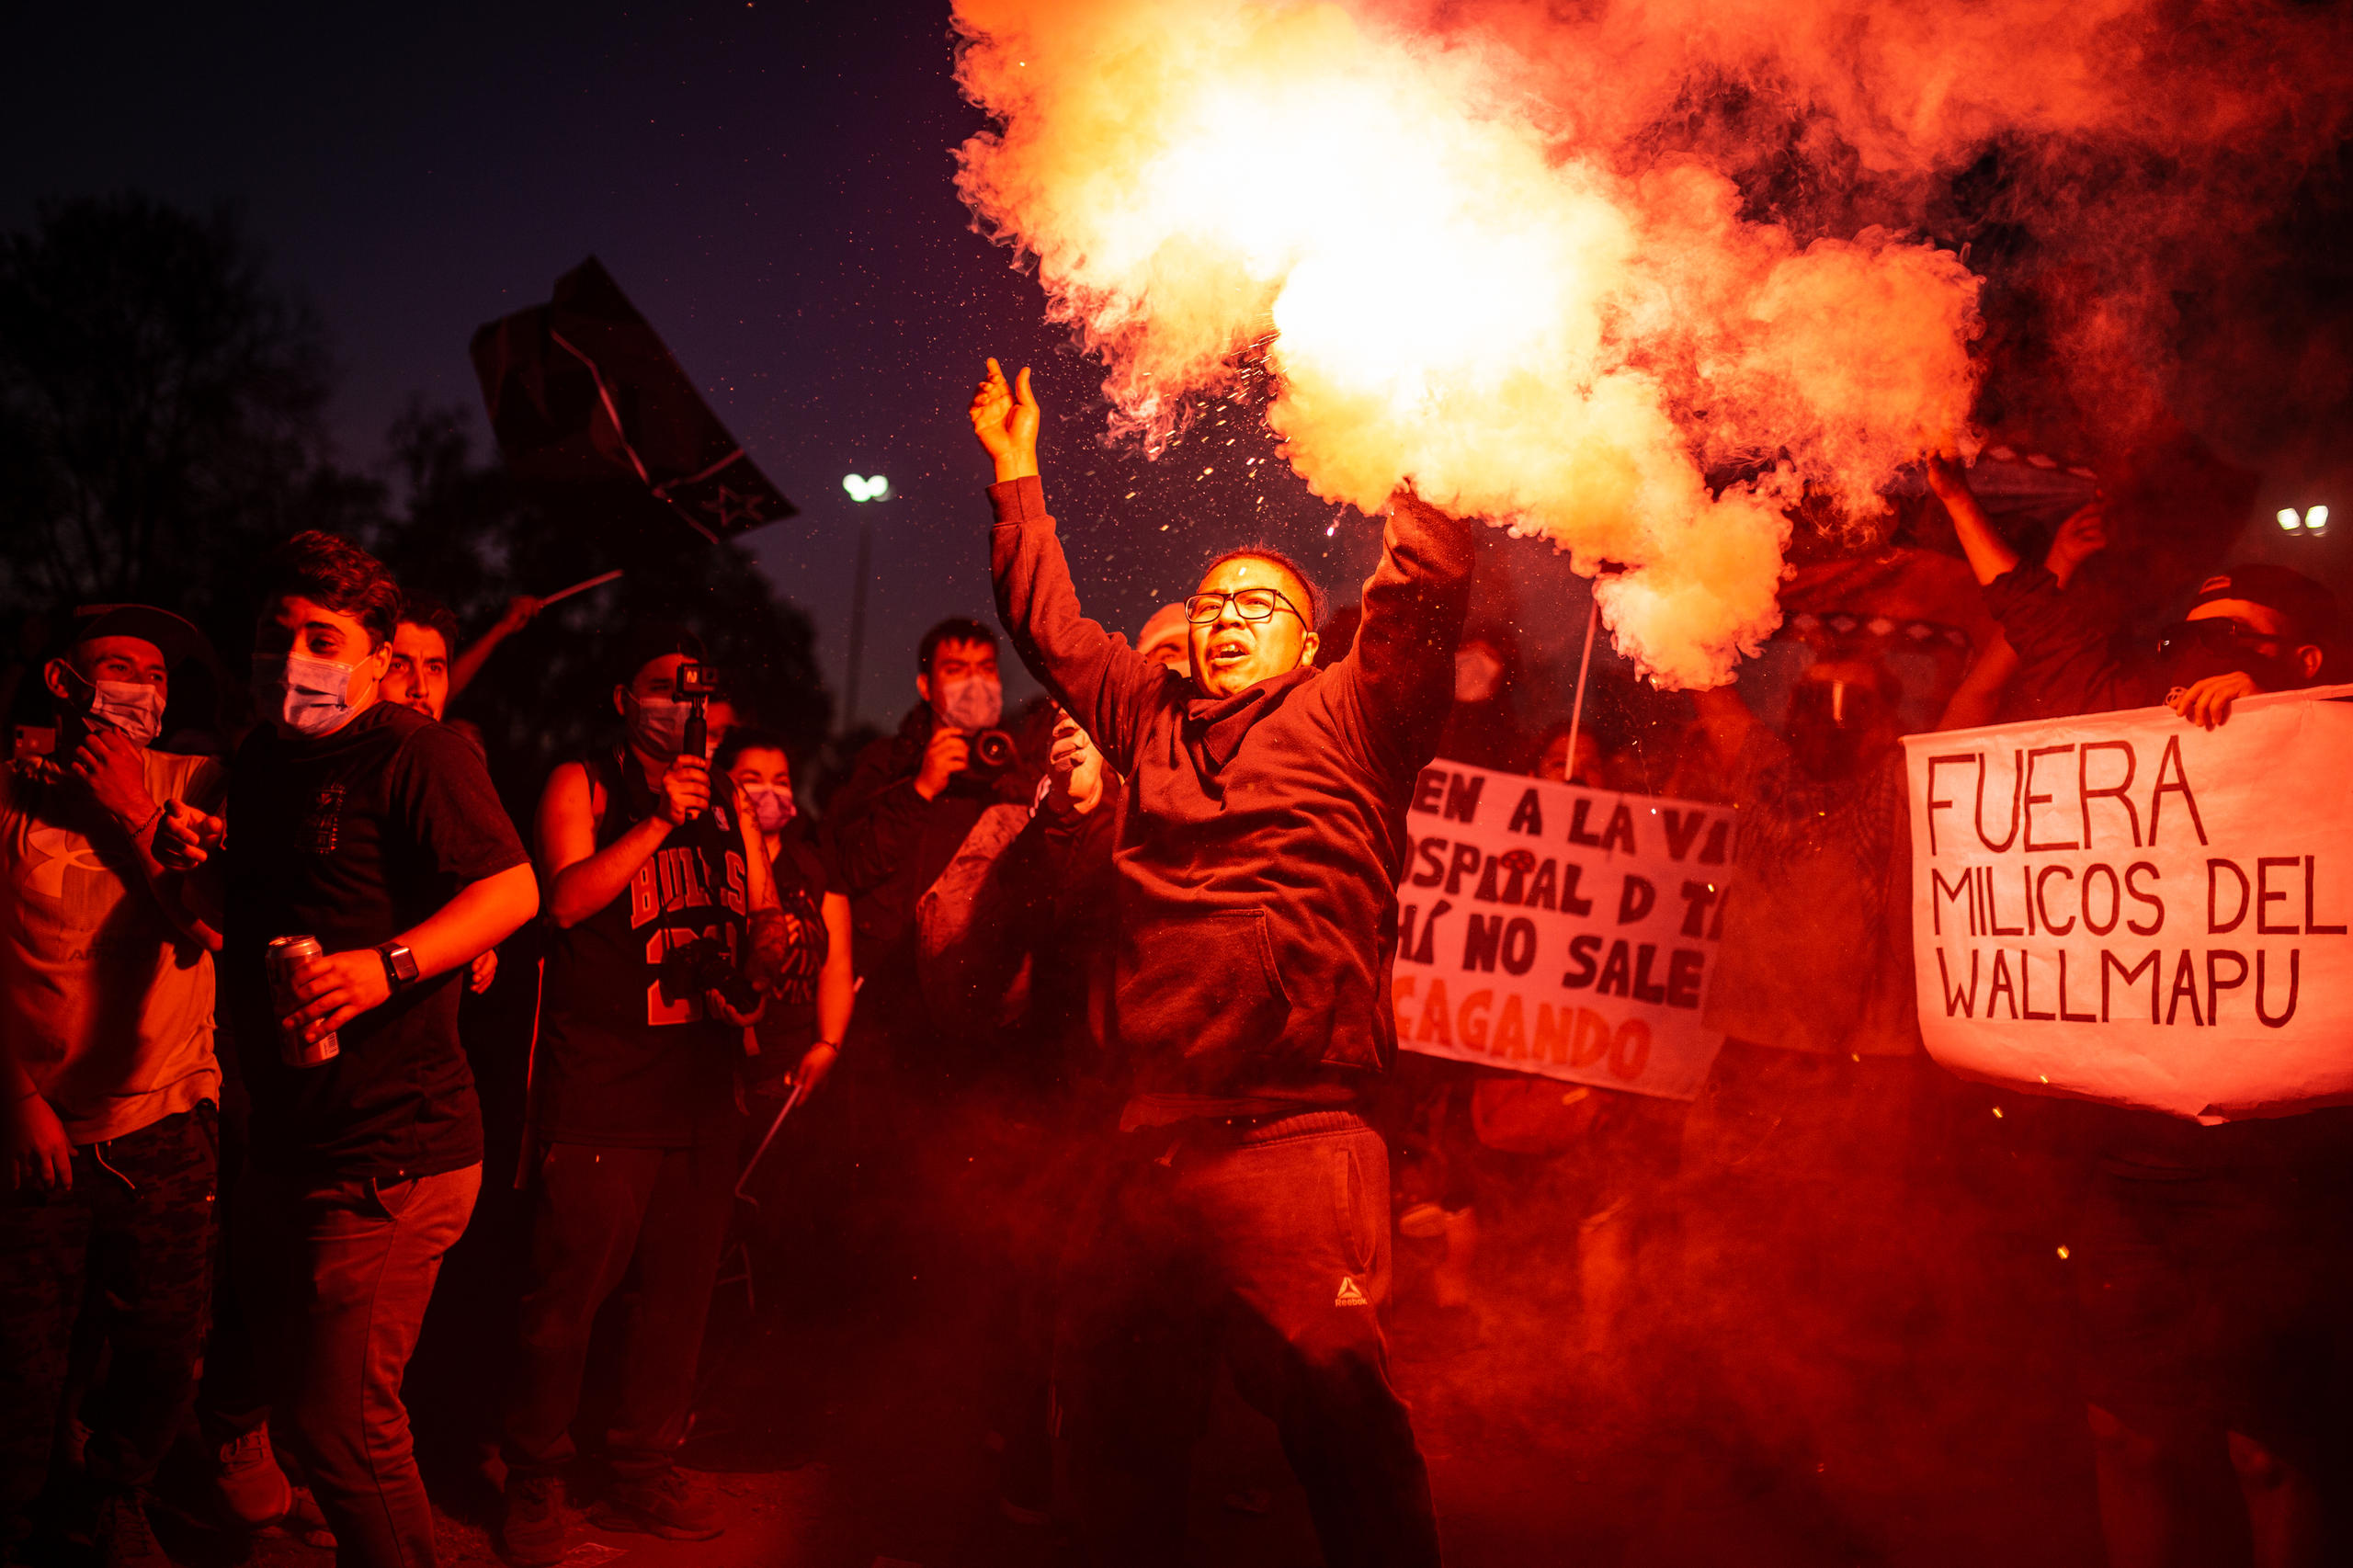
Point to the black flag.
(582, 391)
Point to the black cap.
(653, 641)
(176, 638)
(2310, 609)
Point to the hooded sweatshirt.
(1261, 834)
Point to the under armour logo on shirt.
(1351, 1294)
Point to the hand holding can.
(286, 956)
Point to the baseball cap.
(176, 638)
(2310, 607)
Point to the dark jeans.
(132, 1244)
(336, 1278)
(2217, 1300)
(1271, 1247)
(598, 1213)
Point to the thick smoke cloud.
(1518, 256)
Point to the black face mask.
(1836, 727)
(2192, 650)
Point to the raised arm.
(1415, 602)
(467, 665)
(1092, 673)
(2064, 643)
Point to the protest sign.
(2127, 908)
(1571, 932)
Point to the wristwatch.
(399, 964)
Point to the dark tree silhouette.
(159, 410)
(160, 428)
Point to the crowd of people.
(1126, 956)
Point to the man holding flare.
(1261, 834)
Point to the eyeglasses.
(1251, 604)
(2219, 633)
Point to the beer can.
(284, 954)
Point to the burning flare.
(1458, 295)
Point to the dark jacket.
(2067, 642)
(1261, 834)
(890, 844)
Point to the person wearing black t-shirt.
(367, 826)
(634, 1096)
(805, 1020)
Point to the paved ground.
(869, 1450)
(844, 1422)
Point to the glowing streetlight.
(862, 488)
(2311, 520)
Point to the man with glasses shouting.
(1246, 1209)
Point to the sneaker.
(245, 1477)
(530, 1531)
(663, 1504)
(125, 1539)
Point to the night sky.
(771, 184)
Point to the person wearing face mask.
(664, 908)
(363, 824)
(806, 1021)
(1243, 1213)
(2212, 1279)
(910, 802)
(111, 1088)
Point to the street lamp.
(860, 488)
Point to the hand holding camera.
(701, 967)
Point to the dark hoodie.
(1261, 834)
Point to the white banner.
(2128, 908)
(1551, 929)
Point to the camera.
(993, 752)
(692, 967)
(696, 684)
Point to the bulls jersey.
(627, 1055)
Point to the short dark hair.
(1314, 608)
(434, 616)
(744, 738)
(955, 628)
(337, 573)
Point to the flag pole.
(857, 617)
(1585, 664)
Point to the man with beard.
(2213, 1283)
(1245, 1210)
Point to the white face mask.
(771, 808)
(314, 695)
(1477, 673)
(972, 702)
(133, 710)
(658, 725)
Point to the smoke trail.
(1520, 330)
(1557, 263)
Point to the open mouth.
(1227, 652)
